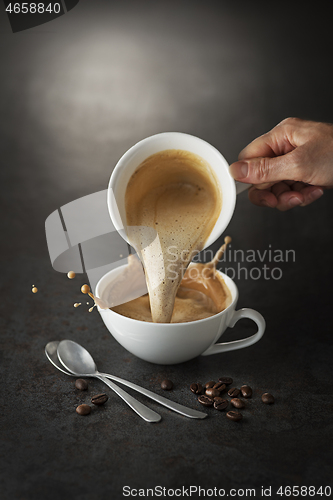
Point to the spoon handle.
(183, 410)
(143, 411)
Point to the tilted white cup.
(129, 162)
(172, 343)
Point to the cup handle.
(239, 344)
(241, 186)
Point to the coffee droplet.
(71, 275)
(77, 304)
(91, 309)
(34, 290)
(85, 288)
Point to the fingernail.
(239, 169)
(265, 203)
(317, 193)
(294, 201)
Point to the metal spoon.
(90, 371)
(51, 353)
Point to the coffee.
(220, 404)
(166, 385)
(233, 392)
(220, 386)
(209, 384)
(237, 403)
(208, 399)
(246, 391)
(99, 399)
(234, 415)
(212, 393)
(226, 380)
(205, 400)
(83, 409)
(81, 384)
(172, 201)
(267, 398)
(202, 293)
(196, 388)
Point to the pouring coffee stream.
(202, 293)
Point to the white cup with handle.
(172, 343)
(130, 161)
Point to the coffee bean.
(212, 393)
(226, 380)
(220, 404)
(234, 415)
(233, 392)
(81, 384)
(100, 399)
(246, 391)
(196, 388)
(209, 385)
(237, 403)
(206, 401)
(267, 398)
(220, 386)
(166, 385)
(83, 410)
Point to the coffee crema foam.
(202, 293)
(175, 195)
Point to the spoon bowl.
(52, 356)
(76, 358)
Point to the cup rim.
(116, 173)
(225, 277)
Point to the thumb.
(266, 169)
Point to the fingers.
(295, 149)
(280, 188)
(277, 142)
(266, 169)
(284, 197)
(262, 146)
(289, 199)
(274, 156)
(265, 185)
(311, 194)
(262, 197)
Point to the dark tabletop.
(76, 93)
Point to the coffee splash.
(172, 201)
(202, 293)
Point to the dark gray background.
(76, 93)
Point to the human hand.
(288, 166)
